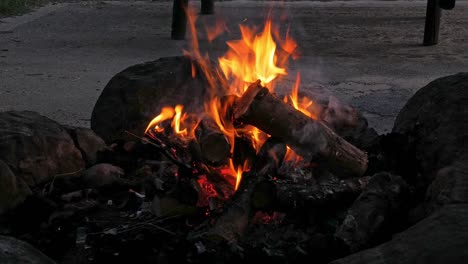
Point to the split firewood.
(290, 195)
(310, 138)
(213, 143)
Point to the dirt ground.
(58, 59)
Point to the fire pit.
(205, 162)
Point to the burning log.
(213, 143)
(294, 195)
(310, 138)
(231, 225)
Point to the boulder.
(102, 174)
(88, 143)
(435, 121)
(133, 97)
(14, 251)
(36, 148)
(13, 190)
(439, 239)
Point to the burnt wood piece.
(310, 138)
(431, 29)
(290, 195)
(213, 143)
(375, 212)
(179, 19)
(207, 7)
(232, 223)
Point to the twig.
(163, 150)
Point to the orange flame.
(166, 113)
(253, 58)
(302, 105)
(177, 119)
(237, 172)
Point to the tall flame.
(253, 58)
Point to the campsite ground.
(57, 59)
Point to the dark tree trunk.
(431, 30)
(207, 7)
(179, 19)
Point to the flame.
(254, 58)
(237, 172)
(303, 105)
(177, 119)
(166, 113)
(292, 157)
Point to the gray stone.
(102, 174)
(13, 190)
(439, 239)
(88, 143)
(14, 251)
(36, 148)
(133, 97)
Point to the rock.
(439, 239)
(373, 211)
(133, 97)
(88, 143)
(435, 120)
(14, 251)
(449, 187)
(13, 190)
(102, 174)
(36, 148)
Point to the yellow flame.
(177, 120)
(166, 113)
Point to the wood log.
(291, 196)
(431, 29)
(207, 7)
(378, 209)
(309, 138)
(179, 19)
(213, 143)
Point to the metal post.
(431, 29)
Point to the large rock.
(88, 143)
(439, 239)
(36, 148)
(13, 190)
(14, 251)
(133, 97)
(435, 120)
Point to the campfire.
(202, 159)
(239, 150)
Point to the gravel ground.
(58, 59)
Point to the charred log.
(309, 138)
(232, 223)
(213, 143)
(373, 211)
(291, 196)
